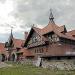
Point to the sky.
(22, 14)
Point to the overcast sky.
(22, 14)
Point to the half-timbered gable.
(35, 38)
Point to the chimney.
(26, 35)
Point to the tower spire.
(11, 38)
(51, 17)
(11, 35)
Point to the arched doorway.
(13, 57)
(3, 57)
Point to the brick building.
(51, 42)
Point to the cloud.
(3, 1)
(22, 14)
(37, 12)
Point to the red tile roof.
(71, 33)
(56, 29)
(52, 27)
(2, 48)
(18, 42)
(49, 28)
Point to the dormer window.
(53, 38)
(50, 37)
(18, 49)
(34, 39)
(73, 35)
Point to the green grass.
(19, 69)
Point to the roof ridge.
(71, 31)
(17, 39)
(2, 43)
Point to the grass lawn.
(19, 69)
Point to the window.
(73, 48)
(34, 39)
(55, 38)
(68, 57)
(39, 50)
(50, 38)
(29, 42)
(35, 50)
(42, 50)
(58, 58)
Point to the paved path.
(2, 64)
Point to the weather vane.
(12, 27)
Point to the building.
(51, 42)
(15, 50)
(3, 52)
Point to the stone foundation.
(59, 64)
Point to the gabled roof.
(18, 42)
(58, 30)
(64, 35)
(51, 27)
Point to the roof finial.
(11, 30)
(33, 25)
(51, 18)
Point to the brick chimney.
(26, 34)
